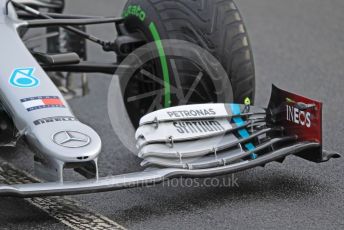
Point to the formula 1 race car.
(181, 68)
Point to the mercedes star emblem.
(71, 139)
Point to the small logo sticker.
(48, 120)
(42, 102)
(71, 139)
(23, 78)
(247, 101)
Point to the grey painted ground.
(298, 45)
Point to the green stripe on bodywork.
(163, 60)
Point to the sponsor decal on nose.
(42, 102)
(24, 78)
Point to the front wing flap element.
(214, 135)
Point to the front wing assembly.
(208, 140)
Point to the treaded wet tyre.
(215, 25)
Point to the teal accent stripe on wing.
(242, 132)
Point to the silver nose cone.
(72, 142)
